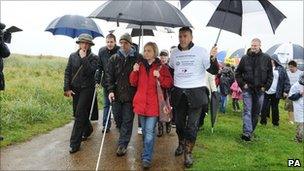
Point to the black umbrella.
(229, 14)
(142, 12)
(215, 98)
(141, 31)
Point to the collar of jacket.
(249, 53)
(148, 66)
(112, 51)
(124, 54)
(191, 44)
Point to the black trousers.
(124, 117)
(270, 101)
(82, 125)
(235, 104)
(186, 120)
(203, 115)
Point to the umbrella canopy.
(238, 53)
(73, 26)
(138, 30)
(287, 52)
(229, 15)
(221, 56)
(141, 12)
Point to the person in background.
(104, 55)
(236, 96)
(254, 76)
(293, 74)
(296, 94)
(279, 89)
(79, 84)
(145, 103)
(226, 80)
(164, 58)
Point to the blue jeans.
(223, 103)
(253, 102)
(148, 129)
(106, 107)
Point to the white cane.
(93, 101)
(103, 138)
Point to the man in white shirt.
(189, 63)
(293, 74)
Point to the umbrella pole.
(218, 35)
(139, 38)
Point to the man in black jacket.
(104, 55)
(79, 84)
(189, 93)
(121, 93)
(4, 53)
(254, 76)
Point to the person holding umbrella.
(121, 93)
(79, 84)
(189, 63)
(254, 76)
(104, 55)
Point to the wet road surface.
(50, 152)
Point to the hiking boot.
(121, 151)
(180, 149)
(188, 159)
(160, 129)
(74, 149)
(245, 138)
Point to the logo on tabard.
(178, 63)
(184, 70)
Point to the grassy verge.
(224, 150)
(33, 101)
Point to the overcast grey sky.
(34, 16)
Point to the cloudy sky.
(34, 16)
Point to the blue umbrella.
(73, 26)
(221, 56)
(238, 53)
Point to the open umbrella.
(141, 12)
(238, 53)
(229, 14)
(73, 26)
(137, 31)
(287, 52)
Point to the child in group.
(296, 94)
(144, 76)
(236, 96)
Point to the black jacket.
(86, 68)
(104, 55)
(283, 85)
(117, 76)
(4, 52)
(255, 70)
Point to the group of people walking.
(129, 80)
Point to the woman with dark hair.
(279, 89)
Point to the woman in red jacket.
(145, 102)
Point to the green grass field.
(224, 150)
(33, 101)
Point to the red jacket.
(145, 101)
